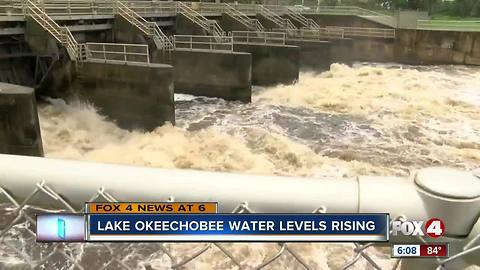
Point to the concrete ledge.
(314, 55)
(19, 126)
(136, 96)
(224, 75)
(272, 64)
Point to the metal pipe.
(78, 181)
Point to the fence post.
(125, 53)
(104, 53)
(148, 55)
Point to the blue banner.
(238, 227)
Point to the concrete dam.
(128, 58)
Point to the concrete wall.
(228, 23)
(19, 126)
(125, 32)
(39, 40)
(314, 55)
(437, 47)
(373, 49)
(272, 64)
(213, 74)
(136, 96)
(341, 51)
(18, 70)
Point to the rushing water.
(367, 119)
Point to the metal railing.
(240, 17)
(161, 40)
(274, 17)
(133, 18)
(258, 25)
(255, 37)
(208, 8)
(63, 188)
(117, 53)
(449, 25)
(363, 31)
(211, 43)
(210, 26)
(248, 9)
(384, 19)
(154, 8)
(70, 8)
(319, 34)
(150, 29)
(306, 22)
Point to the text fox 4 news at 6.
(433, 228)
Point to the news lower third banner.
(214, 227)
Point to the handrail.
(258, 25)
(150, 29)
(117, 52)
(240, 17)
(365, 32)
(44, 20)
(132, 17)
(256, 37)
(289, 24)
(351, 10)
(106, 7)
(165, 42)
(297, 16)
(71, 44)
(211, 43)
(61, 34)
(315, 34)
(272, 16)
(210, 8)
(446, 25)
(281, 22)
(200, 20)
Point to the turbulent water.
(361, 120)
(365, 119)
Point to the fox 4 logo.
(433, 227)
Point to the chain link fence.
(20, 251)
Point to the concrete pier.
(19, 126)
(219, 74)
(135, 96)
(272, 64)
(314, 55)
